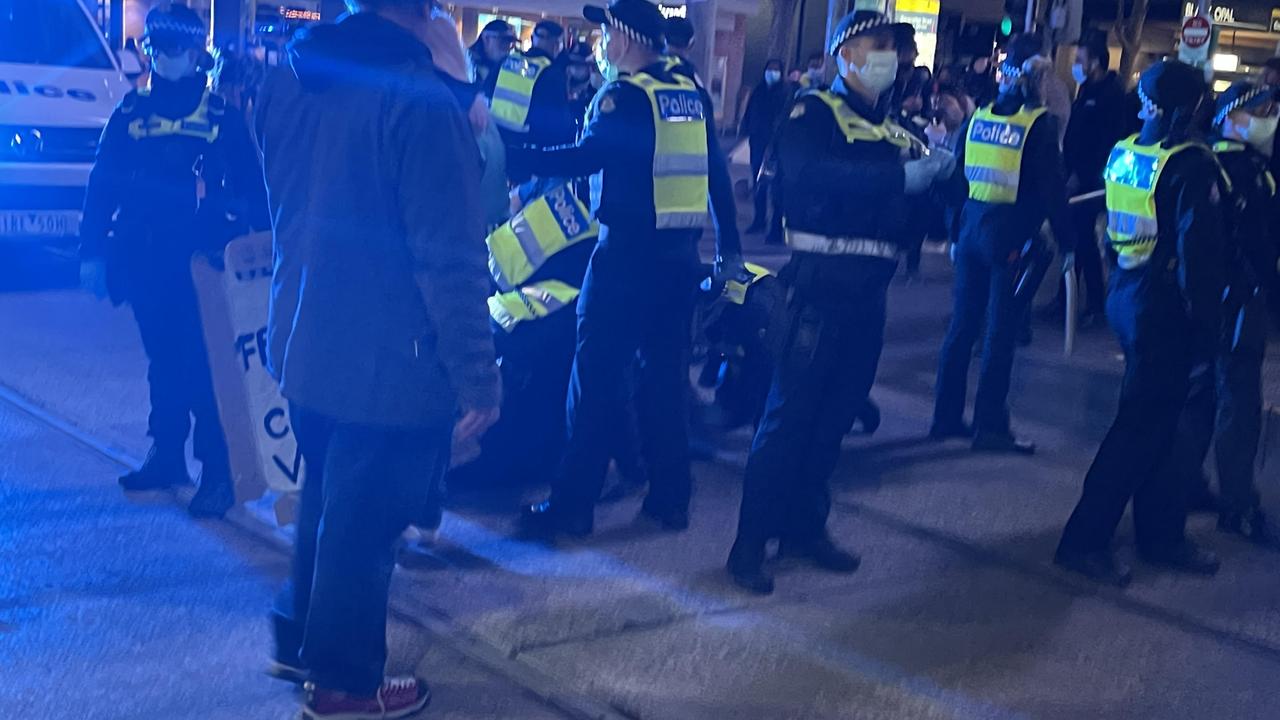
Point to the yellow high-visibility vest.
(541, 229)
(204, 122)
(680, 150)
(859, 129)
(1132, 175)
(513, 93)
(735, 289)
(993, 153)
(1228, 146)
(531, 302)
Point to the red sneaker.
(397, 698)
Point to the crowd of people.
(486, 271)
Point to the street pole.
(228, 30)
(115, 30)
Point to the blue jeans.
(364, 485)
(983, 293)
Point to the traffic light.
(1015, 13)
(1006, 25)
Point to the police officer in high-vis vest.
(647, 137)
(176, 174)
(530, 102)
(537, 261)
(1244, 122)
(850, 185)
(1164, 227)
(1013, 168)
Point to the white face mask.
(608, 70)
(1260, 133)
(772, 76)
(878, 72)
(173, 67)
(1078, 74)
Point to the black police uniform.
(173, 164)
(832, 330)
(1166, 313)
(991, 237)
(638, 295)
(1232, 388)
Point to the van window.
(50, 32)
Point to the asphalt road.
(121, 607)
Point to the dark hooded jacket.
(378, 310)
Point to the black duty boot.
(162, 469)
(941, 432)
(215, 495)
(1185, 557)
(1252, 525)
(822, 553)
(1101, 566)
(869, 416)
(546, 520)
(1002, 443)
(672, 519)
(746, 567)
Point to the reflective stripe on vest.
(825, 245)
(204, 122)
(514, 92)
(543, 228)
(530, 302)
(993, 153)
(735, 289)
(1228, 146)
(857, 128)
(679, 152)
(1132, 175)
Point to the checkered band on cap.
(1147, 102)
(855, 29)
(1013, 72)
(1244, 99)
(165, 23)
(631, 32)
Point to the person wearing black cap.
(486, 54)
(847, 185)
(648, 139)
(174, 165)
(530, 101)
(1245, 125)
(1164, 191)
(680, 37)
(581, 90)
(1013, 168)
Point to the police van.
(59, 82)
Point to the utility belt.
(801, 241)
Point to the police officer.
(724, 209)
(1164, 229)
(176, 174)
(530, 102)
(848, 177)
(648, 137)
(537, 261)
(1013, 168)
(581, 89)
(1245, 123)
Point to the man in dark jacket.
(377, 333)
(765, 108)
(1098, 122)
(174, 163)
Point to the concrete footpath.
(119, 607)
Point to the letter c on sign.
(275, 423)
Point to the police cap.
(1170, 84)
(1242, 95)
(550, 28)
(174, 30)
(639, 20)
(864, 22)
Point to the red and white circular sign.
(1196, 31)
